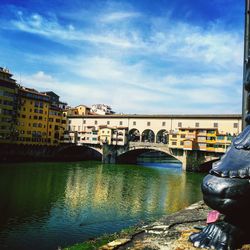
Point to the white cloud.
(118, 16)
(170, 67)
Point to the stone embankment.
(169, 233)
(64, 152)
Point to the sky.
(138, 56)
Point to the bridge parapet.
(148, 145)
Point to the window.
(23, 116)
(235, 125)
(181, 143)
(148, 123)
(197, 124)
(134, 123)
(120, 123)
(215, 124)
(163, 123)
(96, 122)
(179, 124)
(79, 128)
(174, 143)
(84, 121)
(108, 122)
(183, 136)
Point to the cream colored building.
(158, 124)
(113, 135)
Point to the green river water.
(46, 205)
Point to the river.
(47, 205)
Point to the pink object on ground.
(212, 216)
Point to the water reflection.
(45, 205)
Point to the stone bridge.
(130, 152)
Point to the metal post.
(246, 65)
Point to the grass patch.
(103, 240)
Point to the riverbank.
(169, 233)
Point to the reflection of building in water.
(116, 193)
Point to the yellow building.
(78, 110)
(8, 106)
(82, 110)
(56, 119)
(202, 139)
(40, 119)
(113, 135)
(56, 125)
(32, 125)
(105, 134)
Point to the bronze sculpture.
(227, 189)
(227, 186)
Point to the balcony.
(211, 141)
(211, 149)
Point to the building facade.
(179, 131)
(32, 124)
(40, 119)
(8, 106)
(202, 139)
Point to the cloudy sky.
(139, 56)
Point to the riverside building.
(8, 106)
(40, 118)
(32, 124)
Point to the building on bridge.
(202, 139)
(175, 130)
(191, 139)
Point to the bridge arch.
(162, 136)
(134, 135)
(130, 156)
(78, 152)
(148, 135)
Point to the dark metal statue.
(227, 187)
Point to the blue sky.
(139, 56)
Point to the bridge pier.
(109, 154)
